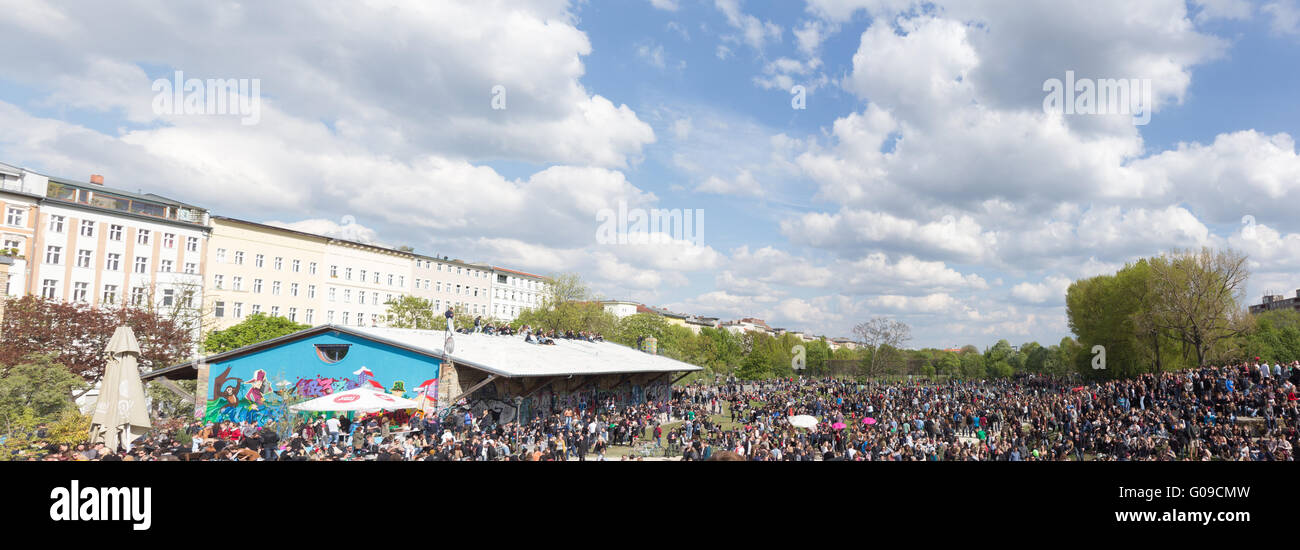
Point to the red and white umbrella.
(360, 399)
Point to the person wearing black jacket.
(270, 440)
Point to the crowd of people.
(1244, 412)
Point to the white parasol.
(360, 399)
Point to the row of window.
(439, 286)
(113, 261)
(110, 294)
(17, 216)
(237, 311)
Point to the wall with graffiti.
(548, 401)
(260, 386)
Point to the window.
(401, 281)
(311, 291)
(297, 265)
(275, 288)
(142, 236)
(345, 317)
(329, 316)
(169, 297)
(221, 255)
(279, 263)
(257, 286)
(347, 296)
(275, 311)
(219, 309)
(361, 297)
(374, 297)
(293, 314)
(165, 266)
(141, 264)
(239, 257)
(169, 240)
(347, 273)
(80, 291)
(438, 286)
(376, 280)
(361, 319)
(257, 308)
(138, 296)
(257, 261)
(334, 272)
(56, 224)
(16, 216)
(237, 283)
(83, 258)
(311, 268)
(48, 288)
(52, 254)
(217, 281)
(239, 310)
(307, 318)
(191, 268)
(115, 233)
(363, 275)
(332, 353)
(188, 299)
(293, 289)
(390, 279)
(12, 243)
(110, 294)
(87, 228)
(192, 244)
(332, 289)
(113, 262)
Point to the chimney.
(97, 179)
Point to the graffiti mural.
(242, 391)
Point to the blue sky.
(923, 181)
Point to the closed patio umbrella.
(120, 413)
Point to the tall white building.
(515, 291)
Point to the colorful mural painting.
(546, 401)
(308, 368)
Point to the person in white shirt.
(333, 426)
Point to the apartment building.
(447, 282)
(306, 278)
(361, 279)
(515, 291)
(257, 268)
(85, 242)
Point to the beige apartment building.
(257, 268)
(453, 283)
(361, 279)
(306, 278)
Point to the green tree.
(34, 391)
(409, 311)
(256, 328)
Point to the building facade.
(515, 291)
(84, 242)
(1275, 301)
(445, 282)
(256, 268)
